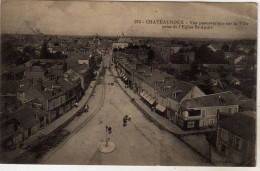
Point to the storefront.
(160, 109)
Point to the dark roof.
(57, 66)
(55, 92)
(18, 69)
(183, 88)
(26, 116)
(5, 115)
(37, 69)
(9, 87)
(75, 56)
(34, 92)
(213, 75)
(78, 68)
(219, 99)
(241, 125)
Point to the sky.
(113, 18)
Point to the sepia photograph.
(128, 83)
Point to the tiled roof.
(219, 99)
(240, 124)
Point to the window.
(211, 122)
(223, 148)
(237, 142)
(190, 124)
(224, 135)
(181, 123)
(235, 110)
(203, 112)
(194, 113)
(218, 111)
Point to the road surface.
(139, 143)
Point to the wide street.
(139, 143)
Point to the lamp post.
(107, 147)
(108, 131)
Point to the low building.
(16, 73)
(35, 72)
(77, 58)
(201, 112)
(236, 141)
(10, 135)
(180, 92)
(57, 70)
(122, 42)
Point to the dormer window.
(176, 93)
(222, 99)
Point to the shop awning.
(124, 77)
(151, 101)
(160, 108)
(146, 96)
(142, 94)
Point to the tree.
(225, 48)
(150, 55)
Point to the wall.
(33, 75)
(210, 114)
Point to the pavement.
(155, 117)
(59, 122)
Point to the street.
(141, 142)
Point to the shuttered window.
(224, 135)
(237, 142)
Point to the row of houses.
(41, 104)
(181, 102)
(44, 94)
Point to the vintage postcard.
(128, 83)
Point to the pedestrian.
(125, 120)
